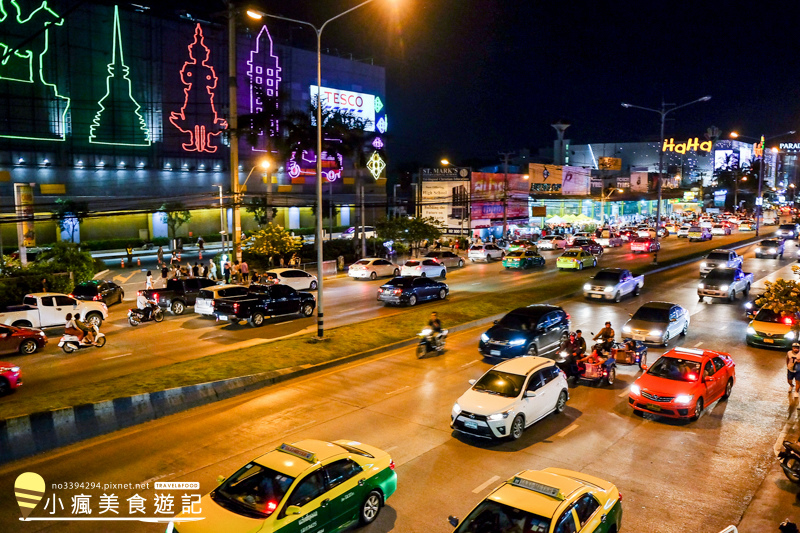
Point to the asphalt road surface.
(674, 476)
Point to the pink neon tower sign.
(263, 72)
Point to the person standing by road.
(196, 270)
(160, 255)
(212, 269)
(148, 284)
(201, 243)
(174, 258)
(792, 358)
(129, 253)
(226, 271)
(245, 272)
(164, 274)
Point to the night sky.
(468, 78)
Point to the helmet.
(796, 345)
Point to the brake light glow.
(235, 307)
(97, 298)
(788, 320)
(398, 291)
(391, 464)
(271, 506)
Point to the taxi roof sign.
(298, 452)
(547, 490)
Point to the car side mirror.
(495, 322)
(220, 480)
(473, 381)
(452, 520)
(530, 394)
(292, 509)
(644, 368)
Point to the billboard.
(487, 196)
(609, 163)
(362, 106)
(445, 197)
(640, 182)
(725, 159)
(545, 178)
(576, 181)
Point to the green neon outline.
(378, 104)
(117, 42)
(63, 135)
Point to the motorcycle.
(71, 343)
(594, 373)
(790, 461)
(630, 352)
(429, 343)
(136, 316)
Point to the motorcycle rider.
(575, 348)
(145, 305)
(607, 335)
(436, 328)
(88, 333)
(792, 359)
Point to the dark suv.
(534, 330)
(787, 231)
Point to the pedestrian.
(255, 277)
(174, 258)
(201, 243)
(236, 271)
(164, 274)
(226, 270)
(245, 268)
(212, 269)
(196, 270)
(792, 358)
(129, 253)
(201, 271)
(282, 262)
(160, 255)
(148, 284)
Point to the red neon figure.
(198, 117)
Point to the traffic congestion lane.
(402, 405)
(181, 338)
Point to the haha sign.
(688, 146)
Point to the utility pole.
(505, 156)
(236, 238)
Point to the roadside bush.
(118, 244)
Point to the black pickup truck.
(269, 301)
(179, 293)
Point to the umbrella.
(554, 220)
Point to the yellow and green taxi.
(552, 500)
(521, 245)
(576, 258)
(308, 486)
(523, 259)
(769, 329)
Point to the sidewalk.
(138, 252)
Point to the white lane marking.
(479, 283)
(698, 344)
(115, 356)
(567, 431)
(398, 390)
(390, 448)
(465, 365)
(485, 484)
(626, 392)
(152, 479)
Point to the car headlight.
(703, 264)
(608, 289)
(772, 250)
(790, 336)
(758, 250)
(683, 398)
(426, 331)
(701, 285)
(484, 337)
(723, 287)
(456, 408)
(751, 330)
(587, 287)
(655, 332)
(517, 342)
(635, 389)
(626, 329)
(499, 416)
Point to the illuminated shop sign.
(790, 147)
(688, 146)
(362, 106)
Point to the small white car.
(720, 229)
(683, 231)
(427, 268)
(448, 259)
(552, 242)
(510, 397)
(204, 304)
(372, 268)
(295, 278)
(580, 235)
(485, 252)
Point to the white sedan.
(293, 277)
(552, 242)
(510, 397)
(372, 268)
(427, 268)
(720, 229)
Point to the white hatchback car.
(510, 397)
(372, 268)
(485, 252)
(204, 304)
(552, 242)
(295, 278)
(427, 268)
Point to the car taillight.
(391, 465)
(71, 295)
(138, 293)
(787, 320)
(212, 303)
(97, 298)
(398, 291)
(620, 496)
(235, 307)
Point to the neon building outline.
(264, 73)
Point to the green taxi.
(521, 245)
(523, 259)
(576, 258)
(552, 500)
(308, 486)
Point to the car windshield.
(515, 321)
(400, 282)
(433, 254)
(363, 262)
(515, 254)
(720, 275)
(494, 517)
(569, 254)
(641, 239)
(519, 243)
(548, 238)
(651, 314)
(788, 226)
(85, 289)
(253, 491)
(607, 276)
(696, 229)
(675, 369)
(412, 263)
(718, 256)
(501, 383)
(476, 247)
(768, 315)
(769, 243)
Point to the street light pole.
(222, 231)
(663, 112)
(236, 250)
(505, 156)
(318, 234)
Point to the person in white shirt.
(792, 359)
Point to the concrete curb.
(28, 435)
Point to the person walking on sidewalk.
(245, 272)
(148, 284)
(160, 255)
(792, 358)
(164, 274)
(212, 269)
(129, 253)
(174, 258)
(196, 270)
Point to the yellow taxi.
(307, 486)
(552, 500)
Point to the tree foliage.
(174, 215)
(781, 296)
(273, 240)
(66, 257)
(69, 214)
(260, 210)
(411, 230)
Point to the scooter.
(136, 316)
(71, 343)
(605, 372)
(428, 342)
(790, 461)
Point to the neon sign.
(360, 105)
(307, 165)
(263, 71)
(378, 104)
(682, 148)
(118, 120)
(382, 125)
(23, 72)
(376, 165)
(201, 122)
(377, 143)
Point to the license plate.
(470, 424)
(494, 352)
(769, 341)
(223, 317)
(638, 337)
(597, 295)
(653, 407)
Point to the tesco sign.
(362, 106)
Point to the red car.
(683, 382)
(644, 244)
(21, 340)
(10, 378)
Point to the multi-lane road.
(674, 476)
